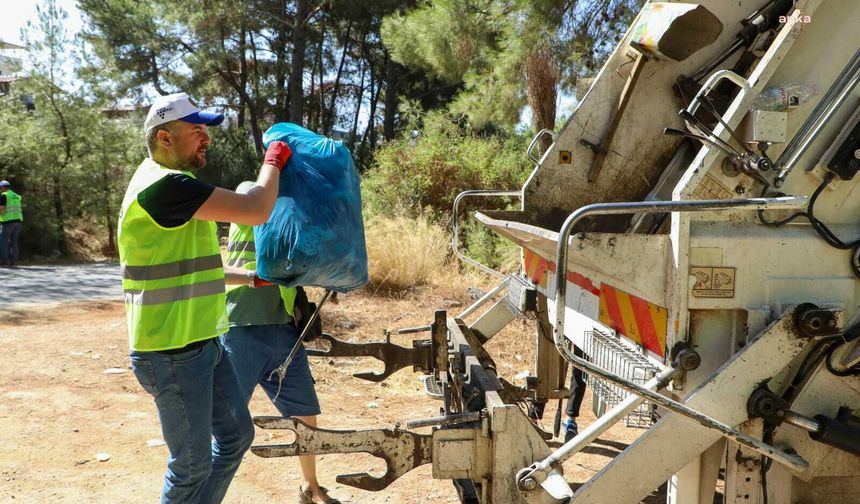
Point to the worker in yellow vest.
(174, 286)
(11, 221)
(263, 331)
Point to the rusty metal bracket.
(395, 357)
(593, 147)
(814, 322)
(765, 404)
(402, 450)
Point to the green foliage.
(470, 58)
(230, 159)
(489, 248)
(318, 63)
(462, 41)
(116, 148)
(507, 51)
(427, 170)
(66, 159)
(469, 29)
(89, 186)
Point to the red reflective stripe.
(582, 281)
(609, 296)
(645, 324)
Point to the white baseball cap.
(175, 107)
(4, 183)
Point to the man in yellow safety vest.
(264, 327)
(11, 221)
(174, 285)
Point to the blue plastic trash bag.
(315, 234)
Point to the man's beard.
(193, 162)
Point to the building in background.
(10, 66)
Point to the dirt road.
(62, 409)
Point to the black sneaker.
(570, 429)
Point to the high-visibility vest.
(241, 253)
(173, 278)
(13, 207)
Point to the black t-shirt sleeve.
(2, 200)
(173, 200)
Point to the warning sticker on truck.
(711, 188)
(713, 282)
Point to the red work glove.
(259, 282)
(278, 154)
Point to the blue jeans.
(9, 233)
(258, 350)
(204, 420)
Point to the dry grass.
(404, 252)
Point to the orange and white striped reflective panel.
(643, 322)
(536, 267)
(637, 319)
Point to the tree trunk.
(240, 117)
(256, 132)
(246, 99)
(60, 230)
(392, 83)
(297, 63)
(62, 247)
(370, 131)
(320, 109)
(360, 96)
(111, 251)
(154, 72)
(108, 213)
(372, 122)
(316, 92)
(111, 228)
(329, 114)
(311, 94)
(106, 198)
(282, 97)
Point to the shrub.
(428, 169)
(490, 249)
(230, 159)
(404, 251)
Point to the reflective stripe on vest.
(171, 294)
(173, 278)
(241, 253)
(242, 246)
(178, 268)
(13, 207)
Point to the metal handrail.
(709, 84)
(535, 141)
(454, 231)
(785, 202)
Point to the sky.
(16, 13)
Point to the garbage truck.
(694, 232)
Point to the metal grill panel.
(608, 352)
